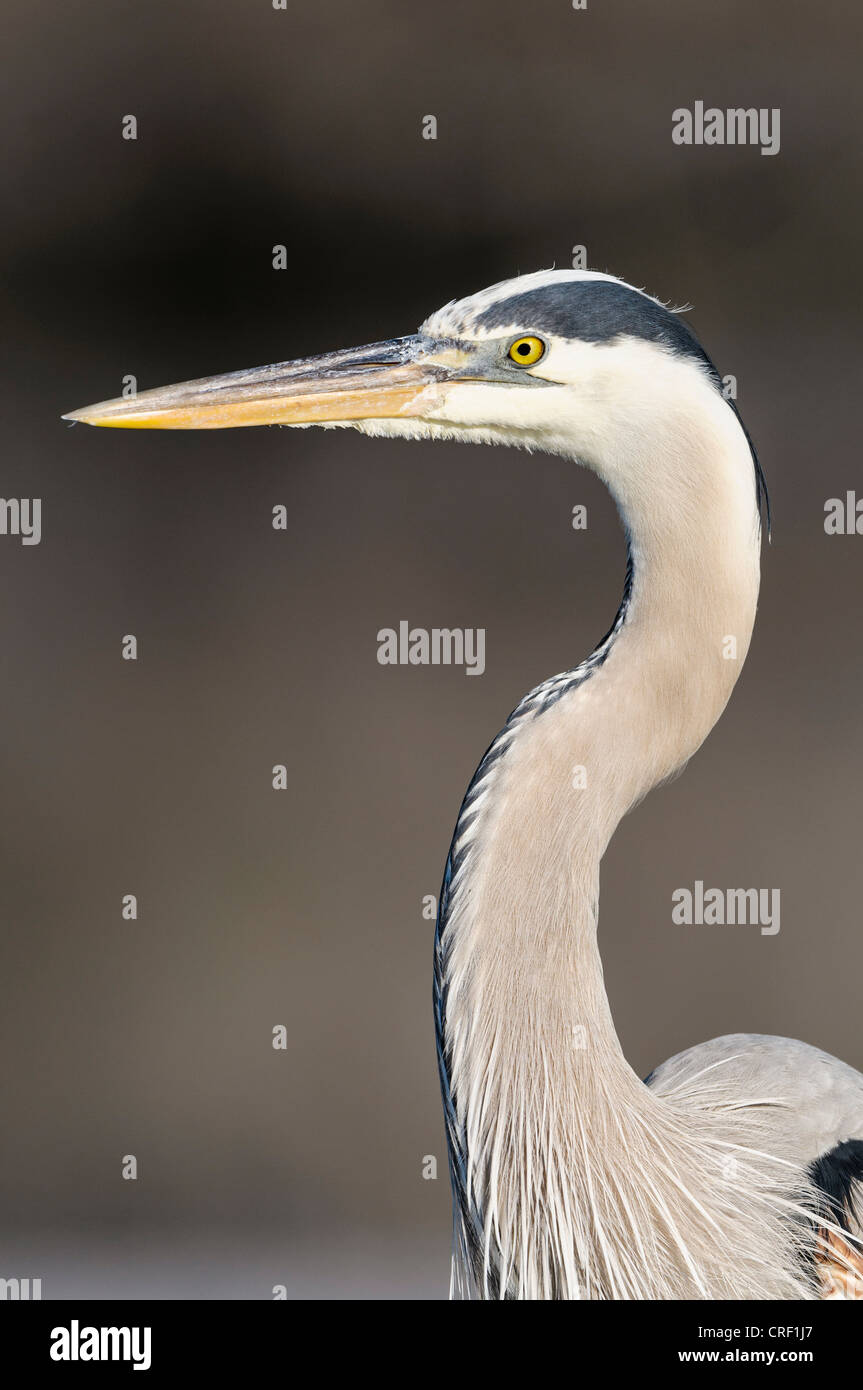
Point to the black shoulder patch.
(838, 1174)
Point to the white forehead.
(460, 315)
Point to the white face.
(599, 403)
(604, 382)
(540, 399)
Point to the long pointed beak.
(381, 381)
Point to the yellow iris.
(526, 351)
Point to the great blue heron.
(732, 1172)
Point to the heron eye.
(526, 351)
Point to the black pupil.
(523, 349)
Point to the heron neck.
(529, 1039)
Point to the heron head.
(557, 360)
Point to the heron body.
(734, 1170)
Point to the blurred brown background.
(302, 127)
